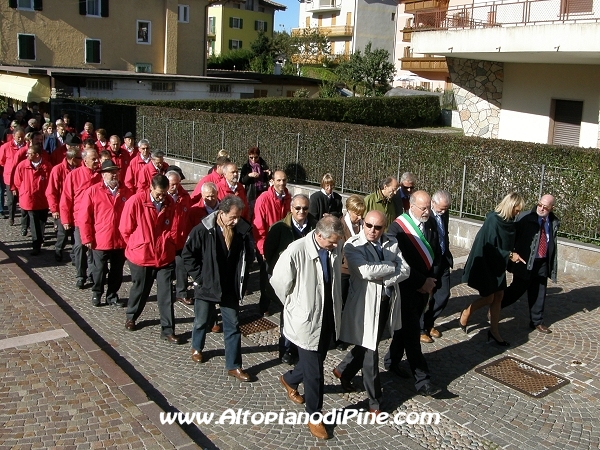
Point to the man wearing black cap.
(99, 217)
(129, 145)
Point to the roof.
(273, 4)
(265, 78)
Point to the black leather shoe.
(95, 300)
(429, 390)
(35, 252)
(173, 339)
(58, 256)
(400, 371)
(80, 283)
(23, 232)
(347, 385)
(287, 358)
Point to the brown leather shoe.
(347, 385)
(196, 356)
(318, 430)
(239, 374)
(543, 329)
(375, 412)
(435, 333)
(292, 393)
(130, 325)
(217, 328)
(426, 339)
(173, 339)
(186, 301)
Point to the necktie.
(543, 245)
(442, 233)
(379, 251)
(324, 257)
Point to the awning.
(25, 89)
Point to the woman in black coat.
(254, 175)
(326, 201)
(486, 266)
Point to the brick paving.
(476, 412)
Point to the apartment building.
(235, 25)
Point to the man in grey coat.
(373, 305)
(307, 280)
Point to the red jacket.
(100, 215)
(133, 153)
(182, 220)
(224, 189)
(76, 182)
(100, 146)
(149, 235)
(212, 177)
(8, 153)
(122, 160)
(55, 185)
(144, 176)
(58, 155)
(135, 166)
(85, 135)
(268, 209)
(31, 183)
(198, 212)
(21, 155)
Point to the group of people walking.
(380, 269)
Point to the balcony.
(427, 63)
(332, 31)
(418, 5)
(323, 5)
(407, 34)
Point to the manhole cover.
(523, 377)
(256, 324)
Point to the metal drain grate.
(522, 377)
(255, 324)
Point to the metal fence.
(475, 184)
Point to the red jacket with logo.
(182, 220)
(99, 216)
(268, 209)
(149, 235)
(144, 176)
(136, 165)
(31, 182)
(8, 154)
(122, 160)
(76, 182)
(212, 177)
(55, 185)
(224, 189)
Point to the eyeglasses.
(408, 188)
(253, 156)
(377, 227)
(420, 209)
(544, 207)
(303, 208)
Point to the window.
(212, 25)
(236, 22)
(163, 86)
(93, 8)
(92, 51)
(565, 125)
(99, 85)
(143, 68)
(183, 13)
(26, 46)
(220, 89)
(250, 5)
(260, 93)
(26, 5)
(576, 7)
(234, 44)
(144, 31)
(289, 93)
(260, 25)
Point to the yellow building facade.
(150, 36)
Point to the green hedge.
(396, 112)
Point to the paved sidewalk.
(476, 412)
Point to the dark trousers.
(62, 236)
(11, 203)
(2, 191)
(309, 371)
(407, 340)
(37, 219)
(81, 256)
(142, 279)
(438, 302)
(232, 335)
(361, 358)
(267, 295)
(101, 258)
(181, 277)
(536, 291)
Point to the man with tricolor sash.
(417, 236)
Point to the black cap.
(109, 166)
(129, 134)
(72, 139)
(176, 169)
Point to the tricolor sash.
(416, 237)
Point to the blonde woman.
(326, 201)
(486, 266)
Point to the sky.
(287, 19)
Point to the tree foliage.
(370, 71)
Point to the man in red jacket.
(120, 157)
(271, 206)
(137, 164)
(230, 185)
(76, 183)
(147, 228)
(99, 217)
(54, 190)
(8, 154)
(213, 177)
(31, 179)
(156, 166)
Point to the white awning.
(25, 89)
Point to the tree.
(263, 54)
(309, 45)
(371, 71)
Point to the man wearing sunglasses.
(536, 236)
(373, 305)
(405, 188)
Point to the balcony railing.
(427, 63)
(417, 5)
(508, 13)
(323, 5)
(332, 31)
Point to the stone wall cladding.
(478, 93)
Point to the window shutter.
(26, 47)
(104, 8)
(230, 44)
(241, 23)
(82, 7)
(265, 27)
(256, 25)
(37, 5)
(567, 122)
(230, 23)
(239, 44)
(12, 4)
